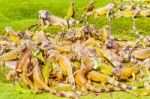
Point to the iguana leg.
(142, 74)
(103, 84)
(115, 77)
(47, 23)
(42, 22)
(85, 91)
(147, 71)
(144, 46)
(131, 92)
(89, 81)
(60, 75)
(147, 87)
(67, 79)
(36, 89)
(133, 77)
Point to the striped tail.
(100, 90)
(115, 38)
(121, 85)
(64, 94)
(73, 95)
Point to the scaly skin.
(127, 72)
(11, 55)
(47, 69)
(14, 37)
(99, 77)
(141, 53)
(22, 62)
(26, 81)
(83, 83)
(106, 69)
(39, 83)
(112, 57)
(90, 42)
(66, 67)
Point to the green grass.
(20, 14)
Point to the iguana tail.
(121, 85)
(100, 90)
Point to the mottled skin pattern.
(127, 72)
(99, 77)
(40, 83)
(22, 62)
(66, 67)
(83, 82)
(44, 17)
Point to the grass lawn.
(20, 14)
